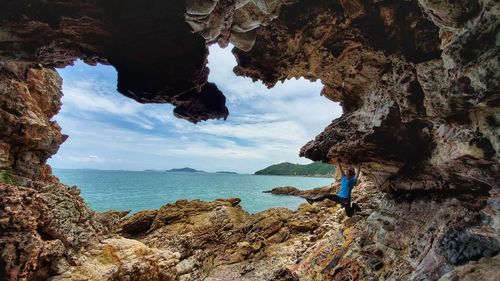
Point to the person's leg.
(346, 203)
(347, 206)
(311, 200)
(332, 197)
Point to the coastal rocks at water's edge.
(290, 190)
(284, 190)
(215, 241)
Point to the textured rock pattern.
(217, 241)
(29, 98)
(232, 22)
(486, 269)
(122, 259)
(42, 229)
(461, 246)
(139, 222)
(157, 57)
(417, 121)
(418, 81)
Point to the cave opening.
(108, 131)
(417, 80)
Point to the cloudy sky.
(265, 126)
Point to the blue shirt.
(346, 185)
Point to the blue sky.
(265, 126)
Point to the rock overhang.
(418, 82)
(419, 93)
(157, 57)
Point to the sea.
(144, 190)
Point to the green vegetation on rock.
(289, 169)
(6, 177)
(185, 170)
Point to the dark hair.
(351, 171)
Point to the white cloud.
(85, 159)
(85, 96)
(98, 96)
(262, 131)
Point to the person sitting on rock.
(343, 196)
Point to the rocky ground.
(392, 238)
(42, 229)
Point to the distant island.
(290, 169)
(225, 172)
(185, 170)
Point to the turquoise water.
(135, 191)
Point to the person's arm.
(358, 172)
(341, 170)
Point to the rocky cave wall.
(156, 56)
(418, 82)
(28, 137)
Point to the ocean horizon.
(150, 189)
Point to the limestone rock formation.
(157, 57)
(42, 229)
(111, 219)
(405, 108)
(485, 270)
(138, 223)
(283, 190)
(122, 259)
(30, 97)
(417, 79)
(419, 84)
(232, 22)
(217, 241)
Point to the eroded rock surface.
(29, 98)
(157, 57)
(122, 259)
(418, 82)
(42, 229)
(417, 121)
(232, 22)
(217, 241)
